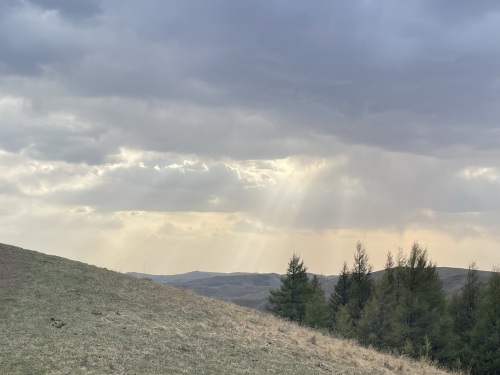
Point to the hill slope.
(63, 317)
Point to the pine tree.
(463, 310)
(398, 272)
(289, 301)
(339, 296)
(376, 325)
(360, 283)
(421, 315)
(352, 291)
(390, 272)
(317, 314)
(344, 325)
(485, 338)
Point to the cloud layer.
(277, 118)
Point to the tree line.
(405, 311)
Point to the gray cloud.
(173, 187)
(406, 92)
(34, 43)
(48, 143)
(363, 189)
(410, 77)
(74, 10)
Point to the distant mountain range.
(252, 289)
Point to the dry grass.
(65, 317)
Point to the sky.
(170, 136)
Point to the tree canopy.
(289, 300)
(405, 310)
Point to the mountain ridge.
(252, 289)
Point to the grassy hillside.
(63, 317)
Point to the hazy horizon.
(279, 273)
(182, 135)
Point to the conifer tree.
(289, 300)
(339, 297)
(317, 313)
(376, 326)
(344, 326)
(360, 283)
(352, 291)
(463, 310)
(398, 272)
(485, 338)
(422, 321)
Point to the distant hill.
(252, 289)
(249, 290)
(246, 289)
(454, 278)
(63, 317)
(183, 277)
